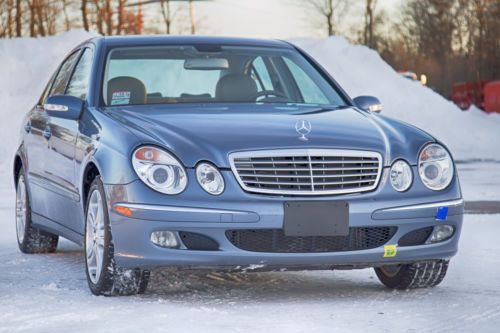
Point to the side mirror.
(368, 103)
(67, 107)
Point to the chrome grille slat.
(305, 162)
(307, 171)
(260, 175)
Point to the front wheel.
(416, 275)
(104, 277)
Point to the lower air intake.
(274, 240)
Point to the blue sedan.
(230, 154)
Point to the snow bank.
(27, 63)
(361, 71)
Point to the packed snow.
(48, 293)
(26, 65)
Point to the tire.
(30, 239)
(417, 275)
(104, 277)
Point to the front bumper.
(197, 212)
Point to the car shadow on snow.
(65, 270)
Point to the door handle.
(47, 133)
(27, 127)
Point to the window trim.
(82, 51)
(75, 51)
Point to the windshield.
(213, 74)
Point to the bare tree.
(85, 18)
(326, 13)
(192, 17)
(121, 16)
(166, 12)
(19, 13)
(368, 33)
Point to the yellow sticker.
(390, 251)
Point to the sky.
(266, 18)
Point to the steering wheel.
(268, 93)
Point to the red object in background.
(492, 96)
(466, 94)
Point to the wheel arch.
(19, 162)
(90, 172)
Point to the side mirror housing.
(368, 103)
(61, 106)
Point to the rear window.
(217, 74)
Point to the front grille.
(274, 240)
(307, 171)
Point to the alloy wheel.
(21, 209)
(94, 240)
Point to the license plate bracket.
(316, 218)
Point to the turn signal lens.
(125, 211)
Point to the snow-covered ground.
(48, 293)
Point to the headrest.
(125, 90)
(236, 88)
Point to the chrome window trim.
(306, 153)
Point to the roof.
(189, 40)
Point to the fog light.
(165, 238)
(441, 233)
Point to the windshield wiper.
(324, 109)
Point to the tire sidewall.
(104, 284)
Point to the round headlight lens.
(435, 167)
(210, 178)
(401, 176)
(159, 170)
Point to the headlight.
(401, 176)
(159, 170)
(209, 178)
(435, 167)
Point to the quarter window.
(63, 75)
(78, 85)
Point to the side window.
(45, 93)
(261, 75)
(309, 90)
(79, 82)
(63, 75)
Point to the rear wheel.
(417, 275)
(104, 277)
(30, 239)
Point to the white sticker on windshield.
(120, 97)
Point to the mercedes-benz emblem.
(303, 127)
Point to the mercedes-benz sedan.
(231, 154)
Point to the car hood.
(207, 133)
